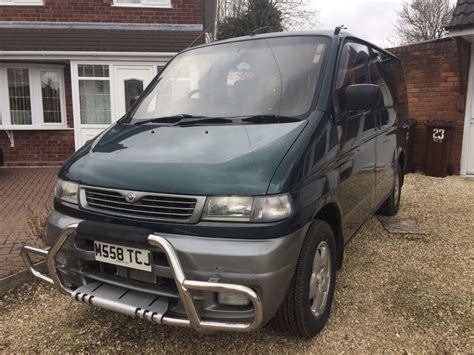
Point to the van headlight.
(66, 191)
(248, 209)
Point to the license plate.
(123, 256)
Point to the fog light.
(232, 299)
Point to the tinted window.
(390, 69)
(353, 68)
(378, 72)
(385, 71)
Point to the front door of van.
(357, 142)
(386, 143)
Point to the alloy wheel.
(320, 279)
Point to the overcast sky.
(372, 20)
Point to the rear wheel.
(306, 307)
(391, 206)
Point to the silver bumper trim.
(183, 285)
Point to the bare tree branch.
(296, 14)
(423, 20)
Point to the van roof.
(326, 33)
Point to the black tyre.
(306, 307)
(392, 204)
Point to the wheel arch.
(402, 161)
(330, 213)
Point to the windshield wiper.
(270, 119)
(187, 119)
(169, 119)
(202, 120)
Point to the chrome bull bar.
(183, 285)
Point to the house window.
(21, 2)
(31, 97)
(143, 3)
(51, 95)
(133, 88)
(19, 95)
(94, 94)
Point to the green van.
(225, 196)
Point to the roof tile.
(25, 39)
(463, 15)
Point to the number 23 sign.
(438, 135)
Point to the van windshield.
(273, 76)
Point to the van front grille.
(142, 205)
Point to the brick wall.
(42, 148)
(182, 12)
(433, 79)
(37, 148)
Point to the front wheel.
(306, 307)
(392, 204)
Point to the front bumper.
(259, 270)
(183, 285)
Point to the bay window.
(31, 97)
(143, 3)
(19, 95)
(51, 95)
(21, 2)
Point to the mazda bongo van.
(225, 197)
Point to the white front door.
(103, 94)
(130, 81)
(467, 159)
(470, 139)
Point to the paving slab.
(397, 225)
(21, 190)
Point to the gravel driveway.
(394, 293)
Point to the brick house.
(436, 77)
(68, 69)
(439, 76)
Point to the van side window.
(353, 69)
(380, 68)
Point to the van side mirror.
(360, 97)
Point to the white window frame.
(36, 97)
(78, 126)
(166, 4)
(22, 3)
(78, 78)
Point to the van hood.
(195, 160)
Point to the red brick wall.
(37, 148)
(433, 79)
(182, 12)
(42, 148)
